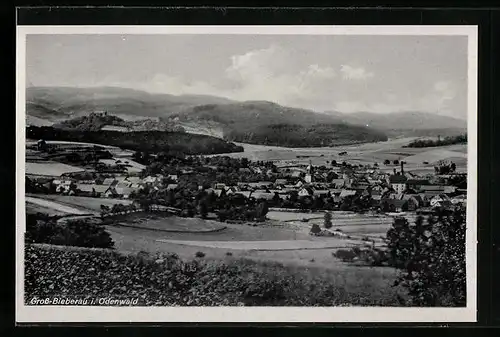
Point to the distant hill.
(267, 123)
(58, 103)
(409, 120)
(254, 121)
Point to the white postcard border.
(40, 314)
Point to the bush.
(315, 229)
(346, 255)
(328, 220)
(78, 233)
(200, 254)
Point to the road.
(268, 245)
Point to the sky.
(342, 73)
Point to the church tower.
(309, 174)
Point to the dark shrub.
(80, 233)
(199, 254)
(315, 229)
(346, 255)
(328, 220)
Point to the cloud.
(438, 99)
(274, 74)
(281, 75)
(352, 73)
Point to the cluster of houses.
(398, 191)
(114, 187)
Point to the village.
(91, 170)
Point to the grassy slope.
(53, 271)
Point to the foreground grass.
(166, 280)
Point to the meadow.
(364, 154)
(83, 204)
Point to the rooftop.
(397, 179)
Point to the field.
(247, 242)
(53, 169)
(115, 151)
(365, 154)
(77, 205)
(34, 207)
(284, 238)
(132, 166)
(169, 224)
(53, 207)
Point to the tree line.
(449, 140)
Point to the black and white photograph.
(246, 173)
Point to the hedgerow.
(166, 280)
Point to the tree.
(202, 209)
(334, 162)
(453, 167)
(431, 257)
(395, 162)
(328, 220)
(315, 229)
(262, 210)
(276, 198)
(345, 206)
(387, 162)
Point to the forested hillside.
(150, 141)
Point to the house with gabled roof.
(262, 195)
(244, 170)
(306, 191)
(231, 189)
(347, 193)
(459, 199)
(440, 200)
(281, 182)
(416, 184)
(321, 193)
(338, 183)
(394, 205)
(171, 187)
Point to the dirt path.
(267, 245)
